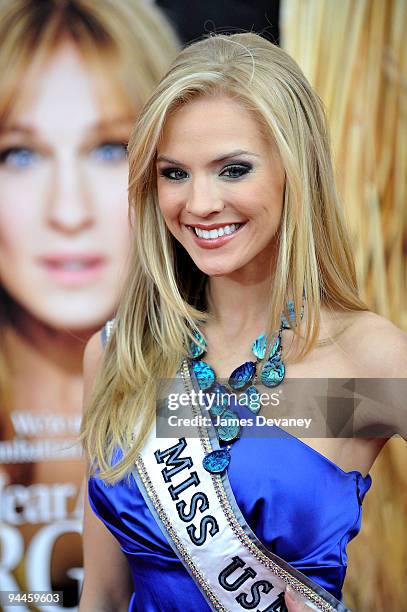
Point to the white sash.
(199, 517)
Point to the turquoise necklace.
(243, 379)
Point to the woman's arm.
(107, 582)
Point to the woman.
(235, 213)
(74, 75)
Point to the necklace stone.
(243, 380)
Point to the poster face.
(64, 242)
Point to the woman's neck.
(239, 303)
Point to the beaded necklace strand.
(243, 379)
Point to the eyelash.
(8, 151)
(95, 152)
(244, 167)
(166, 173)
(121, 146)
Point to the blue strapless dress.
(299, 504)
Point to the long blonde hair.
(164, 297)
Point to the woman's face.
(64, 235)
(220, 185)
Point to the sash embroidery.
(198, 515)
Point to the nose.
(203, 198)
(69, 209)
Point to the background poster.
(72, 78)
(73, 75)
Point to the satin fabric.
(299, 504)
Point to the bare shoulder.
(376, 344)
(92, 355)
(91, 360)
(370, 349)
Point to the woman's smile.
(215, 235)
(220, 189)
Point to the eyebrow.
(106, 124)
(99, 126)
(18, 128)
(222, 158)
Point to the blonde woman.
(73, 75)
(242, 272)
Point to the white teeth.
(216, 233)
(73, 265)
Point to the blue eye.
(236, 170)
(174, 174)
(110, 152)
(19, 157)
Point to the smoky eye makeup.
(236, 170)
(232, 170)
(173, 173)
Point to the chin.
(74, 324)
(81, 315)
(84, 327)
(215, 273)
(216, 269)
